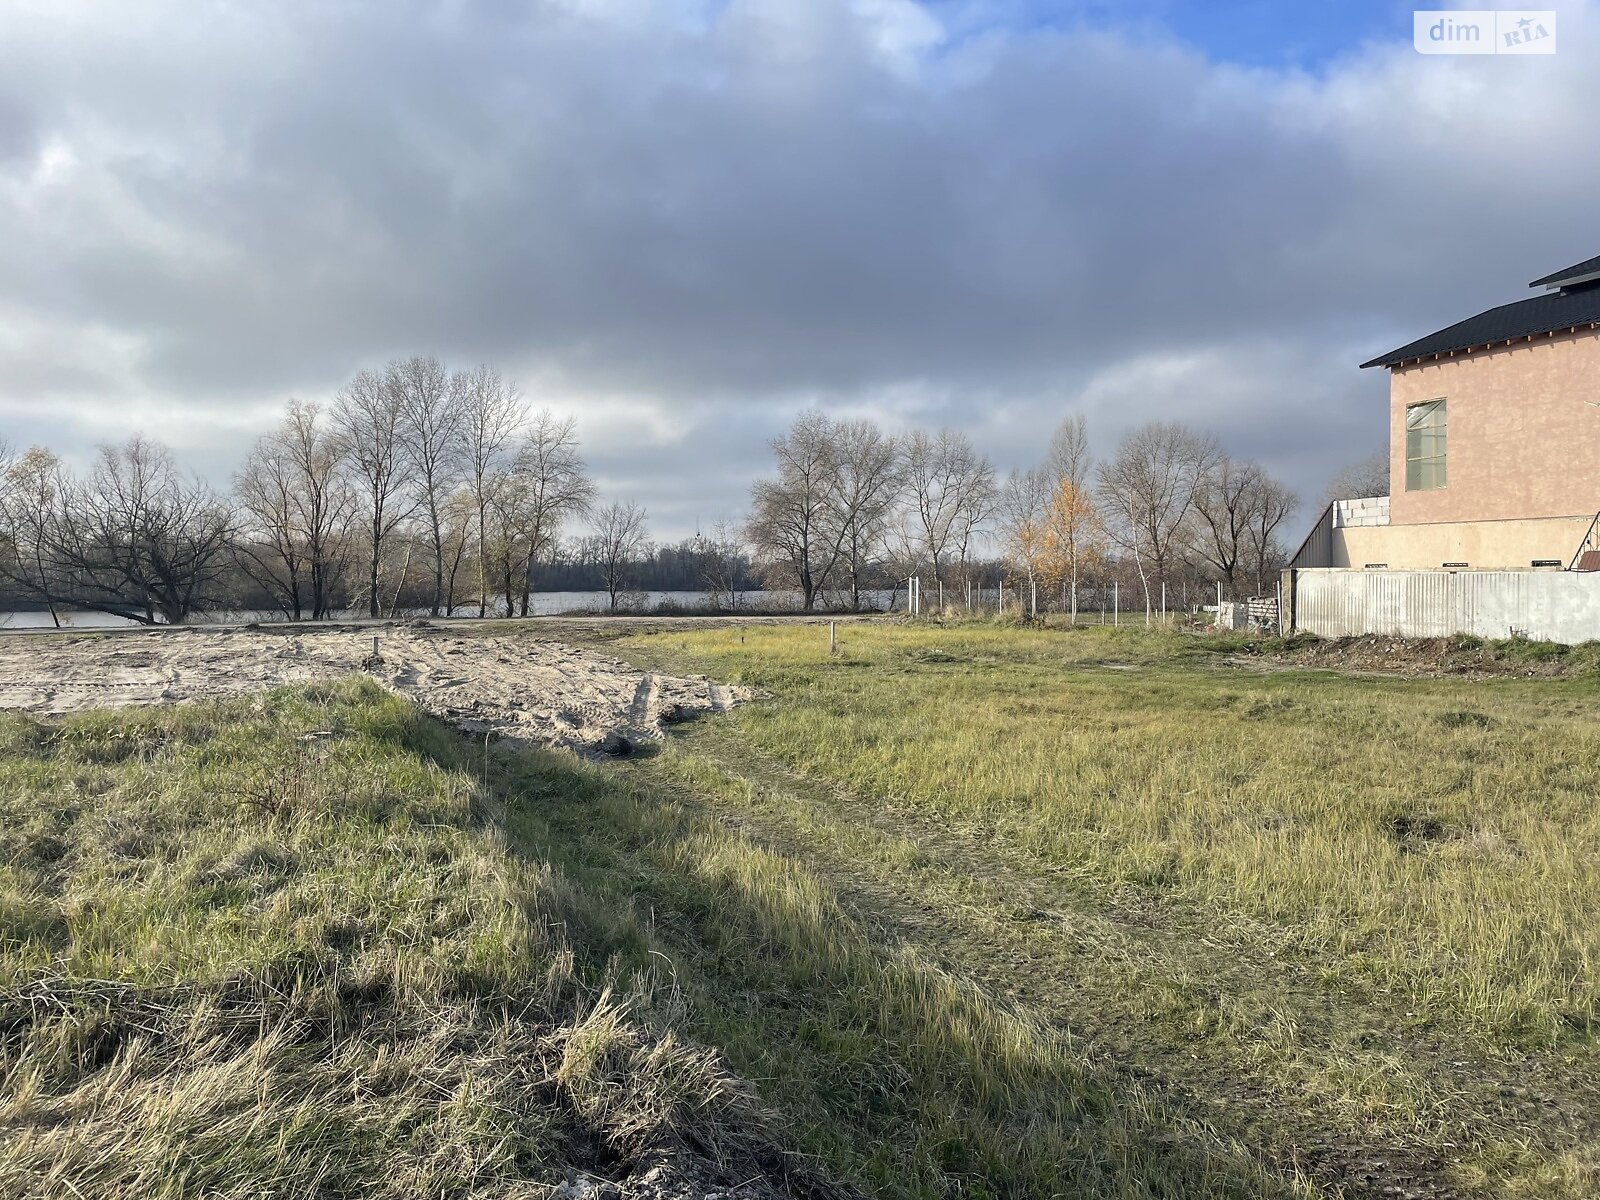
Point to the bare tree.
(430, 408)
(139, 540)
(1369, 477)
(325, 501)
(865, 487)
(1224, 503)
(1069, 457)
(8, 541)
(950, 493)
(492, 413)
(1239, 508)
(1024, 508)
(297, 502)
(269, 550)
(930, 499)
(1274, 505)
(546, 486)
(794, 518)
(619, 539)
(723, 563)
(459, 538)
(31, 489)
(366, 416)
(976, 506)
(1148, 490)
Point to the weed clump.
(1465, 719)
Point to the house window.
(1425, 446)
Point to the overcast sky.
(686, 221)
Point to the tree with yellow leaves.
(1050, 528)
(1070, 537)
(1071, 529)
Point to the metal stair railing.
(1591, 541)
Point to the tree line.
(418, 485)
(848, 503)
(419, 488)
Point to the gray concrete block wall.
(1233, 615)
(1371, 511)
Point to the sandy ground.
(517, 686)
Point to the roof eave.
(1560, 283)
(1578, 272)
(1395, 359)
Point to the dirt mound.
(1463, 655)
(515, 687)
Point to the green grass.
(315, 943)
(975, 911)
(904, 1077)
(273, 948)
(1358, 919)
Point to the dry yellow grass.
(272, 948)
(1358, 919)
(976, 911)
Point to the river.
(543, 604)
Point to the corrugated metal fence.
(1558, 606)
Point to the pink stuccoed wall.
(1523, 439)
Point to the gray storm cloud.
(685, 222)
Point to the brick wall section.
(1522, 441)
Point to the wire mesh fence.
(1087, 602)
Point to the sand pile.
(516, 686)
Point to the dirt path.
(1142, 984)
(517, 686)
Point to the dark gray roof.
(1575, 306)
(1589, 266)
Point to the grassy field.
(282, 948)
(1348, 923)
(976, 911)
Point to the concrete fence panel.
(1557, 606)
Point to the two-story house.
(1494, 444)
